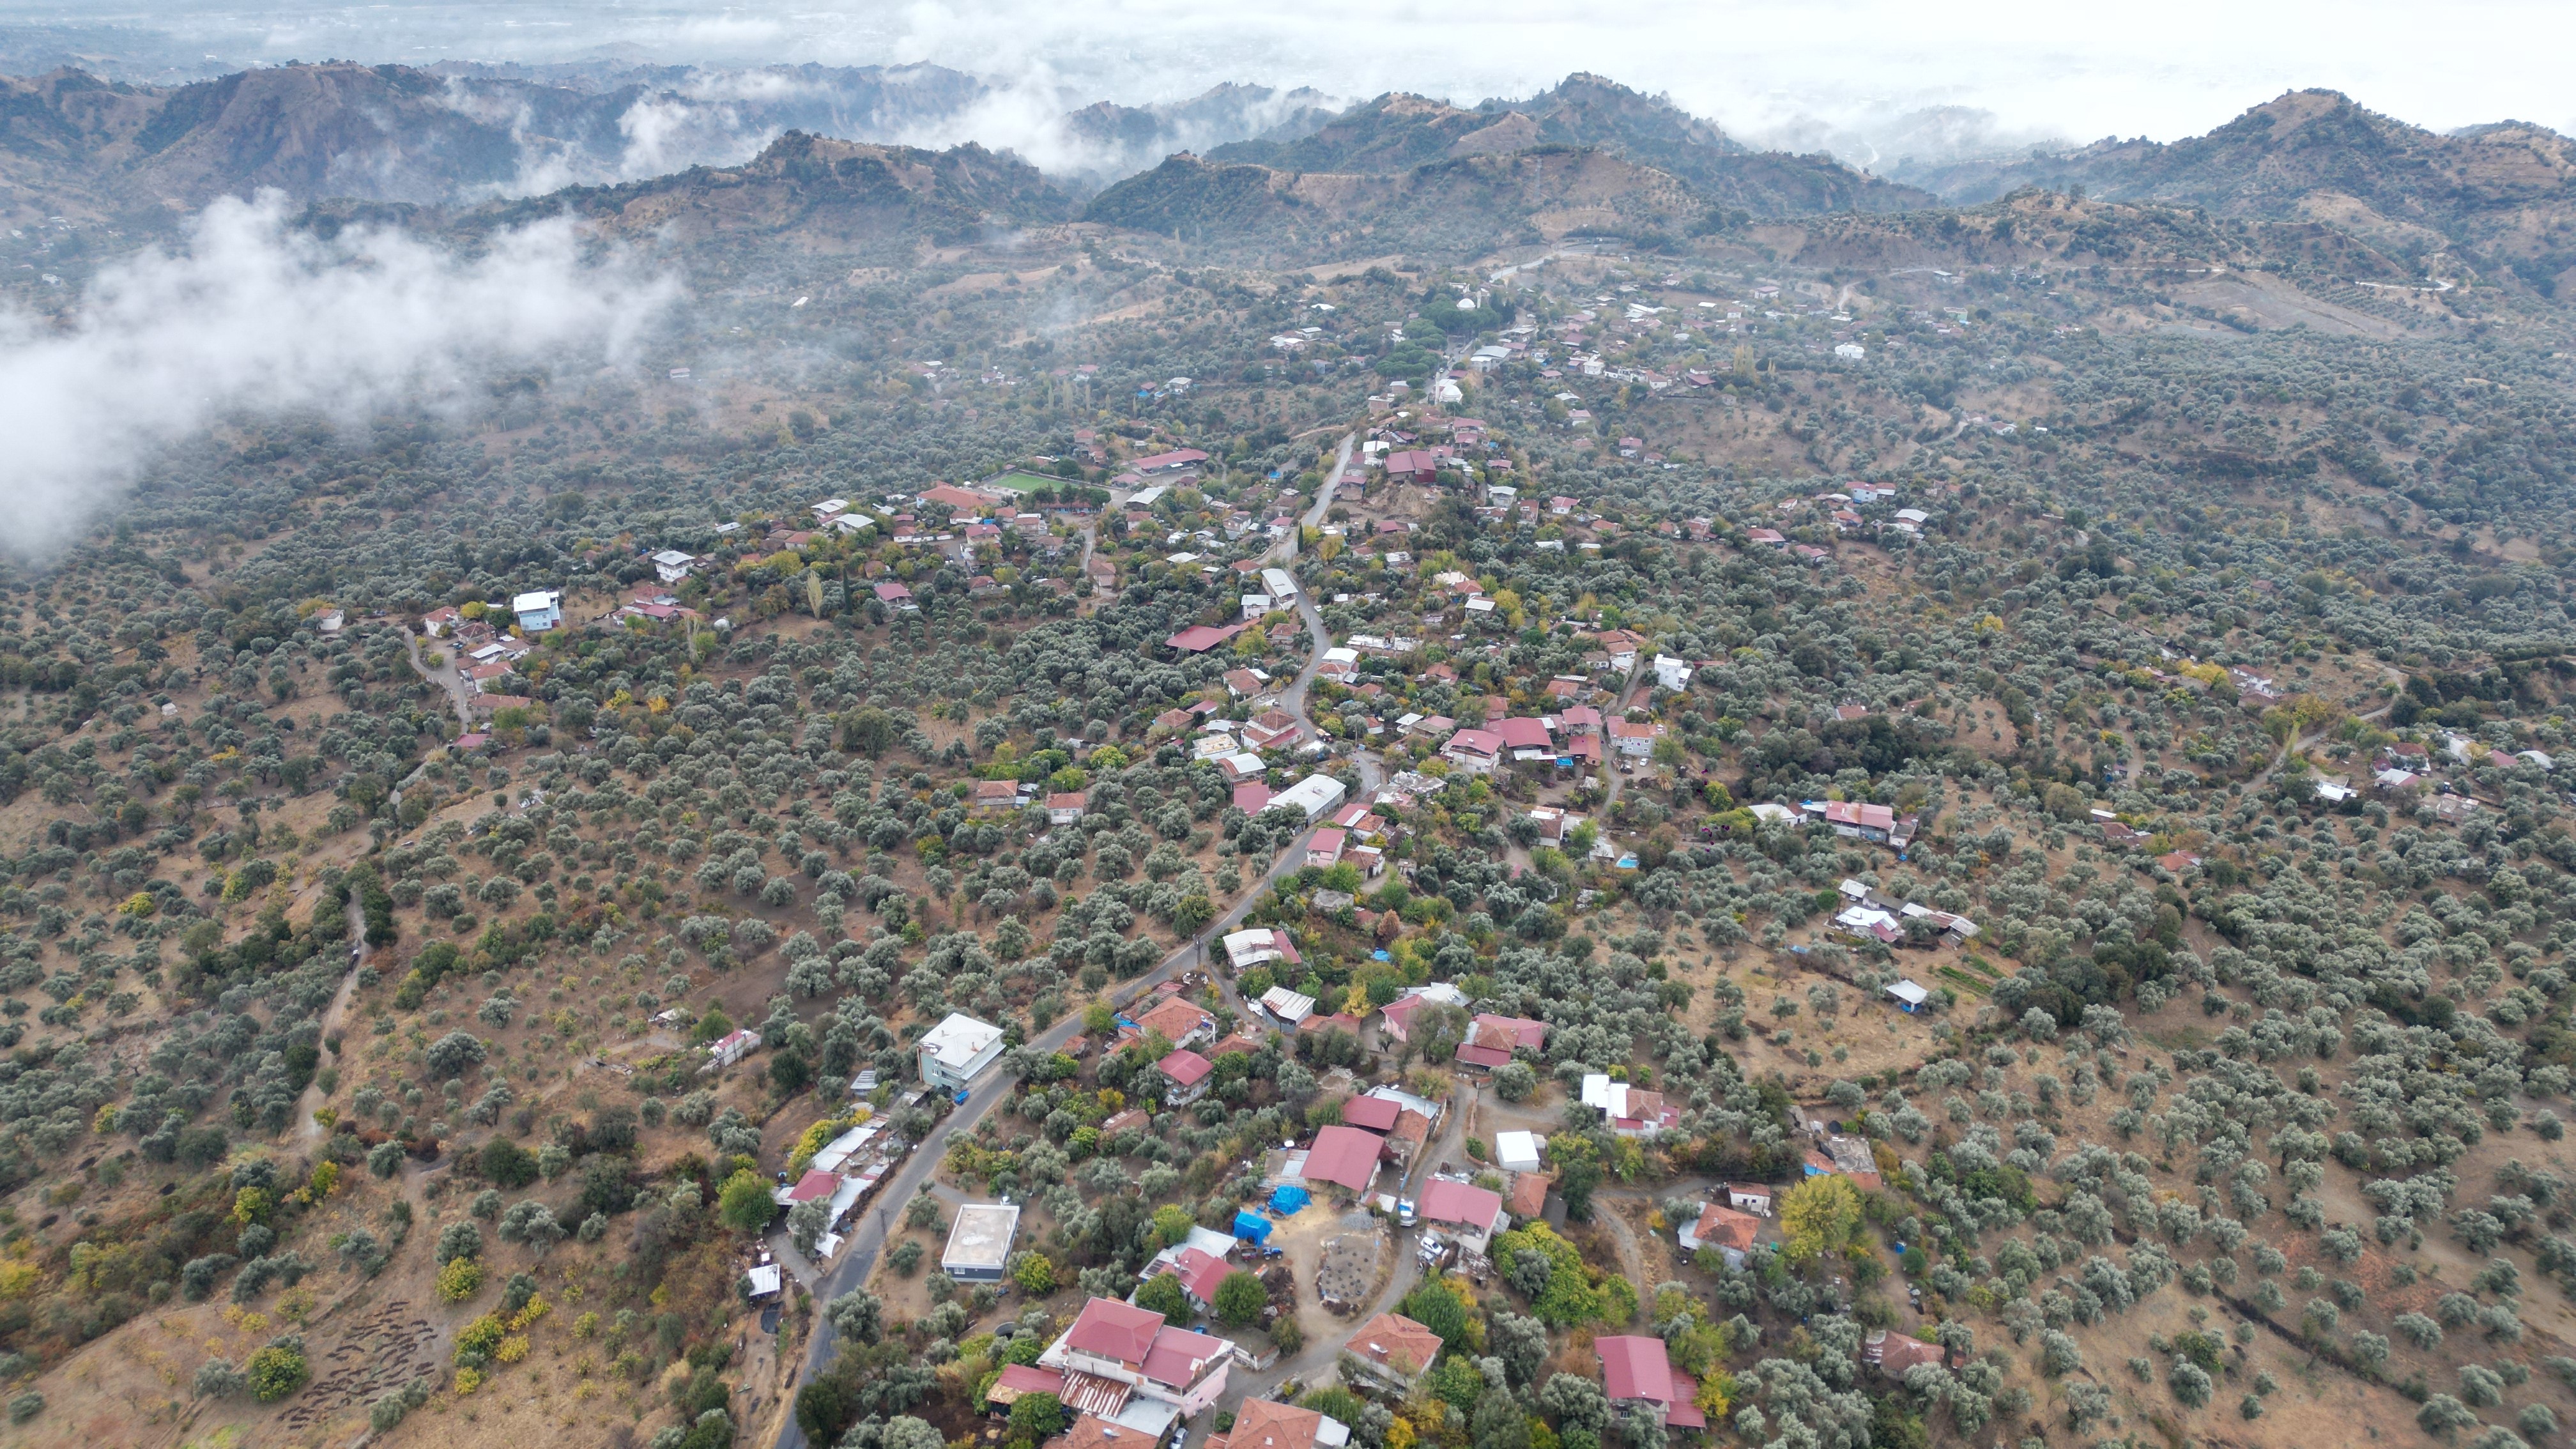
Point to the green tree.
(745, 1204)
(1240, 1299)
(1163, 1294)
(278, 1370)
(1040, 1415)
(1820, 1215)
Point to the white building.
(1516, 1151)
(671, 565)
(539, 611)
(979, 1244)
(1279, 584)
(958, 1050)
(1314, 795)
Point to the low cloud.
(252, 317)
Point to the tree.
(218, 1379)
(1514, 1081)
(532, 1225)
(1172, 1224)
(1034, 1274)
(507, 1163)
(806, 1222)
(1820, 1215)
(858, 1317)
(453, 1054)
(1577, 1403)
(906, 1432)
(745, 1204)
(1041, 1415)
(277, 1370)
(1240, 1299)
(1498, 1422)
(1163, 1294)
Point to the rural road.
(867, 1235)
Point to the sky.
(1852, 74)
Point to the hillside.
(2505, 193)
(1397, 131)
(823, 194)
(1461, 207)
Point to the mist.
(253, 318)
(1868, 78)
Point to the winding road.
(867, 1236)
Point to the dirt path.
(332, 1016)
(444, 677)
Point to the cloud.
(253, 317)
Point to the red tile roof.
(1460, 1202)
(1110, 1329)
(1185, 1067)
(1343, 1155)
(1262, 1424)
(1180, 1357)
(1634, 1367)
(1376, 1114)
(1394, 1341)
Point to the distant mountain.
(2505, 193)
(1398, 131)
(823, 194)
(1106, 141)
(1460, 207)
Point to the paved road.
(867, 1236)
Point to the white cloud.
(255, 317)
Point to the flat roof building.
(957, 1051)
(979, 1245)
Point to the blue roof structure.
(1251, 1225)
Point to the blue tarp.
(1251, 1225)
(1288, 1198)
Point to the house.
(1414, 465)
(1262, 1424)
(1474, 751)
(1134, 1353)
(1347, 1157)
(1671, 673)
(1182, 1022)
(996, 796)
(1022, 1378)
(1246, 683)
(1186, 1073)
(1171, 462)
(1065, 808)
(1492, 1039)
(1314, 795)
(1909, 994)
(1634, 740)
(1516, 1151)
(1475, 1213)
(958, 1050)
(671, 565)
(1397, 1015)
(1751, 1197)
(1249, 948)
(1630, 1111)
(1291, 1007)
(1637, 1369)
(1196, 1269)
(733, 1047)
(1853, 819)
(539, 611)
(1273, 729)
(1251, 796)
(979, 1242)
(1894, 1353)
(437, 622)
(1324, 847)
(1526, 739)
(1724, 1229)
(896, 597)
(1200, 638)
(1395, 1350)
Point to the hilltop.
(2504, 192)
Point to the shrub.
(461, 1279)
(218, 1379)
(278, 1370)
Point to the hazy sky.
(1795, 71)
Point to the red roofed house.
(1199, 1272)
(1188, 1074)
(815, 1184)
(1182, 1023)
(1395, 1349)
(1491, 1040)
(1344, 1156)
(1371, 1114)
(1200, 638)
(1065, 808)
(1324, 847)
(1413, 465)
(1398, 1014)
(1636, 1369)
(1894, 1353)
(1252, 797)
(1164, 462)
(996, 795)
(1475, 1213)
(1730, 1232)
(1262, 1424)
(1473, 751)
(1527, 739)
(1273, 729)
(1021, 1378)
(1132, 1348)
(1854, 819)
